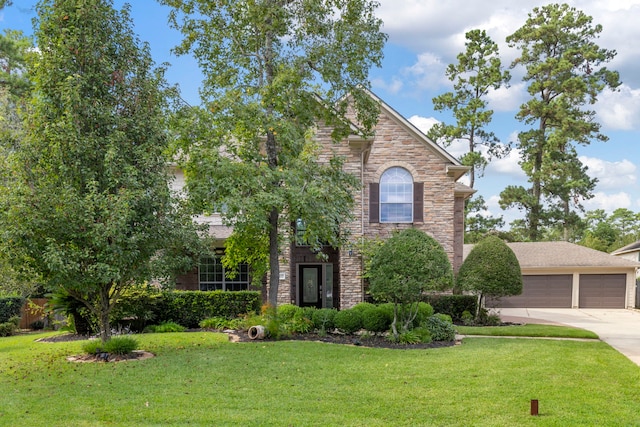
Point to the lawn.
(200, 379)
(529, 330)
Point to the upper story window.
(396, 198)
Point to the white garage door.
(602, 290)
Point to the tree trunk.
(104, 310)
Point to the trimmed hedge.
(189, 308)
(10, 307)
(453, 305)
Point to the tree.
(478, 71)
(407, 265)
(491, 269)
(565, 70)
(477, 224)
(275, 72)
(90, 205)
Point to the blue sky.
(424, 37)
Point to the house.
(566, 275)
(406, 181)
(630, 252)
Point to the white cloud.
(393, 87)
(619, 110)
(508, 165)
(608, 202)
(428, 71)
(423, 123)
(611, 175)
(507, 99)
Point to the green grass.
(530, 330)
(200, 379)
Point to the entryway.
(315, 285)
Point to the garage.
(602, 290)
(566, 275)
(543, 291)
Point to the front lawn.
(201, 379)
(529, 330)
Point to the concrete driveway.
(619, 328)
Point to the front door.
(310, 286)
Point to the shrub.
(491, 269)
(424, 312)
(286, 312)
(37, 325)
(363, 306)
(406, 266)
(188, 308)
(137, 307)
(220, 323)
(453, 305)
(165, 327)
(115, 345)
(467, 318)
(440, 330)
(323, 319)
(121, 345)
(376, 319)
(9, 327)
(348, 321)
(10, 307)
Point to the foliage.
(477, 224)
(9, 327)
(478, 71)
(9, 307)
(453, 305)
(137, 307)
(164, 327)
(287, 312)
(608, 232)
(565, 72)
(273, 71)
(348, 321)
(188, 308)
(491, 269)
(115, 345)
(467, 318)
(323, 319)
(407, 265)
(376, 319)
(441, 330)
(90, 205)
(220, 323)
(81, 320)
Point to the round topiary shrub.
(287, 312)
(376, 319)
(348, 321)
(424, 312)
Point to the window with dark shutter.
(374, 202)
(418, 202)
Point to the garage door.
(602, 290)
(546, 291)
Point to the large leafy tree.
(275, 72)
(89, 205)
(490, 270)
(478, 71)
(406, 266)
(565, 70)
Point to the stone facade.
(438, 210)
(396, 143)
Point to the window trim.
(225, 283)
(410, 197)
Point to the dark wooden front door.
(310, 286)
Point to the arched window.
(396, 198)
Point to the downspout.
(362, 153)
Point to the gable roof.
(633, 247)
(561, 254)
(455, 168)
